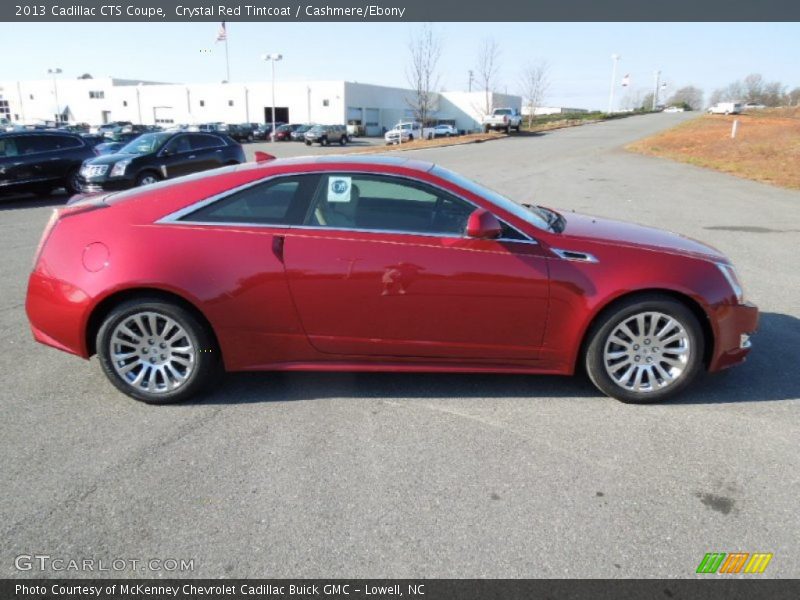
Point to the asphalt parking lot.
(387, 475)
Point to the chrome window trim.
(175, 217)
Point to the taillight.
(46, 234)
(70, 210)
(505, 118)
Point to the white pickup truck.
(408, 131)
(503, 118)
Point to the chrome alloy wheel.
(148, 180)
(647, 352)
(152, 352)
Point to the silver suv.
(325, 134)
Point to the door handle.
(277, 246)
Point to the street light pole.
(55, 72)
(615, 58)
(273, 58)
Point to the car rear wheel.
(147, 178)
(72, 182)
(343, 140)
(157, 352)
(647, 349)
(323, 141)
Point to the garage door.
(372, 121)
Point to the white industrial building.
(100, 100)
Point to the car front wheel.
(645, 350)
(157, 352)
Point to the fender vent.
(575, 255)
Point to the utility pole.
(471, 77)
(615, 59)
(655, 90)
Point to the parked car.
(674, 109)
(326, 134)
(503, 118)
(395, 265)
(407, 131)
(242, 132)
(108, 128)
(264, 130)
(109, 148)
(284, 132)
(725, 108)
(152, 157)
(40, 161)
(754, 106)
(444, 130)
(299, 134)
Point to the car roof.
(40, 132)
(348, 160)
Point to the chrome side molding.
(575, 255)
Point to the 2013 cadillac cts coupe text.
(348, 264)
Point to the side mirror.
(484, 225)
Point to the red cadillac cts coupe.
(376, 264)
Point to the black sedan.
(155, 156)
(40, 161)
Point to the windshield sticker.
(339, 189)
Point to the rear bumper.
(735, 325)
(57, 313)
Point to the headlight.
(733, 280)
(119, 168)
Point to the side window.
(8, 147)
(202, 141)
(178, 145)
(276, 202)
(66, 141)
(34, 144)
(384, 203)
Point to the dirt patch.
(766, 147)
(472, 138)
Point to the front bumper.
(735, 325)
(104, 184)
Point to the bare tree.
(753, 88)
(689, 97)
(534, 83)
(425, 48)
(488, 61)
(793, 97)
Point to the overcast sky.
(707, 55)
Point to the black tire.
(71, 183)
(308, 143)
(611, 319)
(486, 129)
(147, 178)
(343, 140)
(323, 141)
(207, 368)
(508, 129)
(411, 137)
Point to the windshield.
(528, 215)
(145, 144)
(503, 111)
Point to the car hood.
(629, 234)
(110, 159)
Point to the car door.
(233, 248)
(382, 268)
(9, 161)
(34, 159)
(178, 157)
(208, 150)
